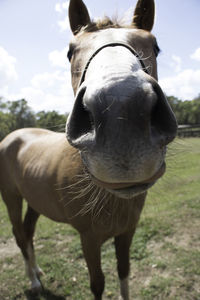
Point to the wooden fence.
(189, 131)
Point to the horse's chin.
(130, 190)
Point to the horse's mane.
(104, 23)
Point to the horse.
(96, 175)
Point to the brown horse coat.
(117, 135)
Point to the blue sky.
(34, 36)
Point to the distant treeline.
(17, 114)
(187, 112)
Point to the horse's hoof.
(36, 287)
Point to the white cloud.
(58, 8)
(50, 90)
(64, 24)
(46, 80)
(196, 54)
(59, 58)
(8, 72)
(176, 63)
(61, 7)
(185, 85)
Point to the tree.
(15, 115)
(6, 123)
(22, 114)
(187, 112)
(51, 120)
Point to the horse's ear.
(78, 15)
(144, 14)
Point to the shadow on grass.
(46, 295)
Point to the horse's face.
(121, 121)
(119, 59)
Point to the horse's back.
(19, 149)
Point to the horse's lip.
(125, 185)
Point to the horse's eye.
(71, 51)
(70, 54)
(156, 49)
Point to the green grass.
(165, 254)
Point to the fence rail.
(189, 130)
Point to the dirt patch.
(187, 235)
(8, 248)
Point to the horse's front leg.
(92, 253)
(122, 246)
(32, 269)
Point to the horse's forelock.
(104, 23)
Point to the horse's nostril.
(81, 121)
(163, 121)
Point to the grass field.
(165, 253)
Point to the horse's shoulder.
(19, 139)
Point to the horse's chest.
(116, 220)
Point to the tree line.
(187, 112)
(18, 114)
